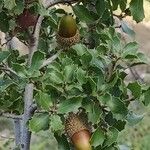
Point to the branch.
(50, 3)
(135, 74)
(17, 131)
(8, 138)
(12, 116)
(6, 68)
(34, 39)
(8, 40)
(51, 59)
(28, 112)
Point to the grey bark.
(17, 131)
(28, 100)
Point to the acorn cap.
(68, 42)
(75, 124)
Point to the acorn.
(68, 33)
(26, 19)
(78, 131)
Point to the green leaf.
(142, 58)
(44, 100)
(97, 62)
(137, 10)
(43, 11)
(117, 106)
(9, 4)
(116, 45)
(70, 105)
(69, 72)
(80, 49)
(100, 7)
(133, 118)
(56, 123)
(66, 61)
(1, 4)
(18, 9)
(86, 59)
(115, 4)
(118, 124)
(4, 22)
(52, 23)
(112, 136)
(123, 4)
(56, 77)
(146, 99)
(89, 87)
(74, 90)
(60, 11)
(93, 111)
(98, 137)
(126, 29)
(83, 13)
(39, 122)
(135, 88)
(20, 70)
(5, 84)
(4, 55)
(130, 49)
(81, 76)
(37, 60)
(62, 142)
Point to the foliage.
(86, 78)
(137, 137)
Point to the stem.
(51, 59)
(135, 74)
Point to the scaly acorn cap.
(74, 124)
(78, 131)
(68, 33)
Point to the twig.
(118, 27)
(6, 68)
(50, 3)
(135, 74)
(8, 138)
(8, 40)
(12, 116)
(51, 59)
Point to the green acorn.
(68, 33)
(78, 131)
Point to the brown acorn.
(78, 131)
(68, 33)
(26, 19)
